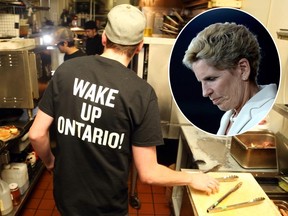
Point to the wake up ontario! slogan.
(98, 95)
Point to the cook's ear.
(140, 45)
(245, 68)
(104, 38)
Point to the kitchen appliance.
(24, 73)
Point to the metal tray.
(13, 136)
(248, 149)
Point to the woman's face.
(225, 88)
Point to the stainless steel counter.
(215, 150)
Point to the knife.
(252, 202)
(224, 196)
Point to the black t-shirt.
(100, 109)
(78, 53)
(94, 45)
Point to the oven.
(25, 74)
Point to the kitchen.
(269, 14)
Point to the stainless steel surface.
(282, 152)
(255, 201)
(214, 150)
(213, 169)
(15, 80)
(249, 151)
(21, 71)
(4, 157)
(224, 196)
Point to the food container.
(255, 149)
(24, 29)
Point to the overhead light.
(47, 39)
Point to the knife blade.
(252, 202)
(224, 196)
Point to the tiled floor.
(154, 201)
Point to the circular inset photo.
(224, 71)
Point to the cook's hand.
(50, 166)
(204, 182)
(283, 212)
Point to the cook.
(64, 40)
(90, 176)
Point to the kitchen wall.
(273, 15)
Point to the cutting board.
(250, 189)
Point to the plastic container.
(5, 198)
(16, 173)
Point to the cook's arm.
(151, 172)
(40, 140)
